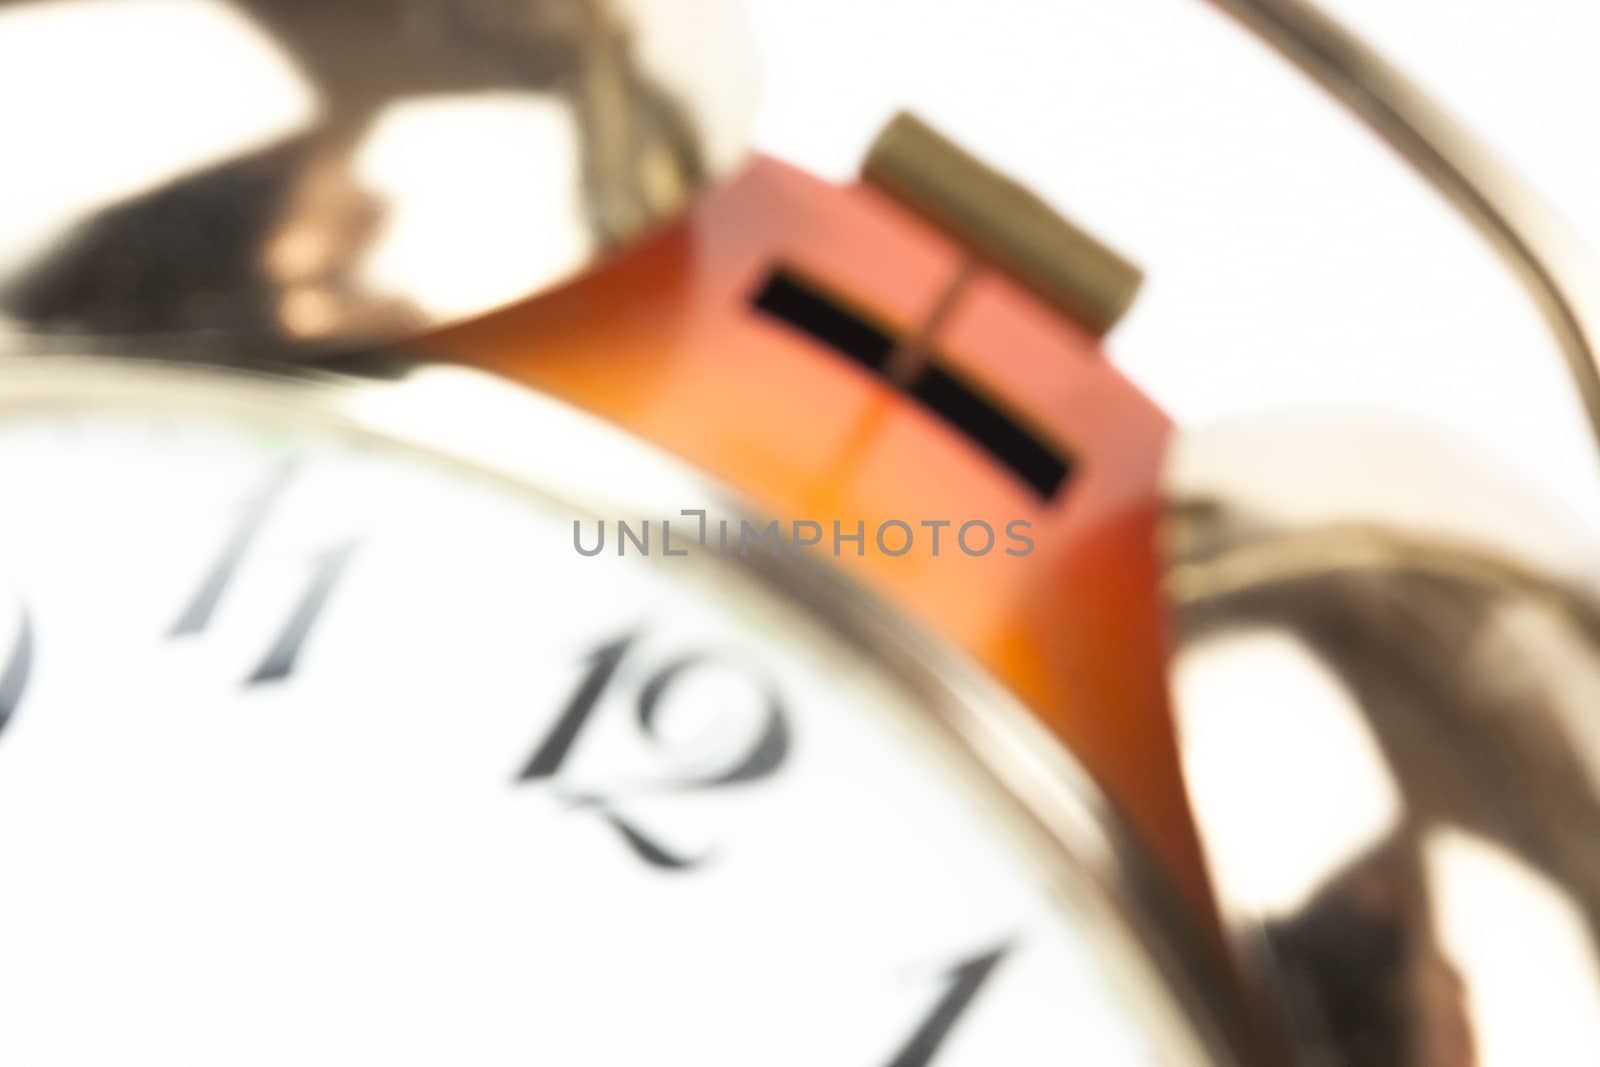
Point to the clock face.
(322, 749)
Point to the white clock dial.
(317, 750)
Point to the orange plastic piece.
(664, 343)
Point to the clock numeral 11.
(281, 657)
(764, 757)
(14, 675)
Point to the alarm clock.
(491, 572)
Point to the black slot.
(808, 308)
(947, 396)
(805, 307)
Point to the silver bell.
(343, 173)
(1387, 687)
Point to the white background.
(1292, 261)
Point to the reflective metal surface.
(1002, 223)
(1386, 679)
(342, 172)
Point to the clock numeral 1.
(196, 616)
(14, 676)
(967, 980)
(763, 758)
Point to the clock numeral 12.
(280, 659)
(763, 758)
(967, 980)
(18, 665)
